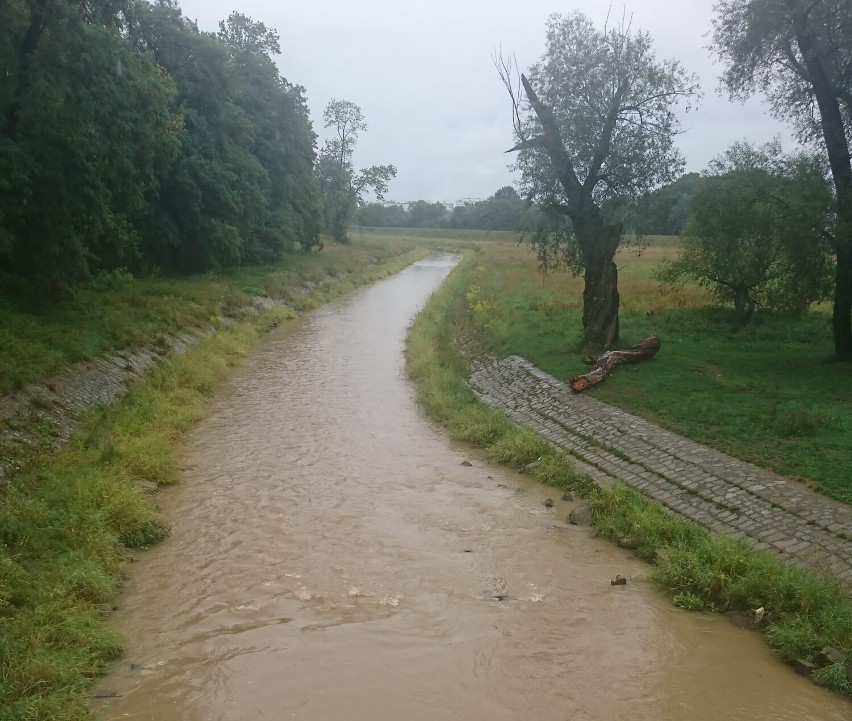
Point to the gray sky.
(422, 73)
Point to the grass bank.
(39, 336)
(68, 518)
(804, 614)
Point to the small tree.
(757, 232)
(343, 188)
(596, 129)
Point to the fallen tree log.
(605, 364)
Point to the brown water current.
(330, 559)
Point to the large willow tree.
(595, 127)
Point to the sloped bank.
(807, 619)
(70, 511)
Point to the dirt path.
(720, 492)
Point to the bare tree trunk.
(743, 305)
(840, 161)
(600, 304)
(608, 361)
(598, 242)
(841, 320)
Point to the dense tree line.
(664, 210)
(505, 210)
(130, 138)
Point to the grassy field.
(699, 569)
(766, 393)
(68, 517)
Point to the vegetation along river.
(331, 559)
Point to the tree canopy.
(133, 139)
(757, 231)
(595, 129)
(341, 186)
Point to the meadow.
(768, 393)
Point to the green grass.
(68, 517)
(805, 612)
(766, 393)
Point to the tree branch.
(552, 141)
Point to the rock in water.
(803, 667)
(146, 486)
(618, 581)
(581, 516)
(548, 503)
(828, 656)
(466, 464)
(567, 497)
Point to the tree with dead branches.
(595, 121)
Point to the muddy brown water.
(330, 559)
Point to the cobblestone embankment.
(50, 410)
(720, 492)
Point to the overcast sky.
(422, 73)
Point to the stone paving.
(720, 492)
(50, 410)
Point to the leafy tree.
(505, 210)
(664, 211)
(423, 214)
(799, 53)
(283, 139)
(756, 234)
(241, 189)
(596, 128)
(341, 187)
(88, 126)
(379, 215)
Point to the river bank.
(80, 470)
(805, 617)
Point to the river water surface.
(331, 560)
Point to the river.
(331, 559)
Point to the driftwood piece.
(605, 364)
